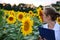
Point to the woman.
(50, 16)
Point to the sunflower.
(31, 13)
(20, 16)
(58, 20)
(40, 14)
(26, 28)
(6, 12)
(12, 13)
(40, 19)
(11, 19)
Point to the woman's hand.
(40, 38)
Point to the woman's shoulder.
(57, 26)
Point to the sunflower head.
(27, 26)
(58, 20)
(31, 13)
(11, 19)
(40, 14)
(20, 16)
(12, 13)
(27, 21)
(6, 12)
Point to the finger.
(40, 37)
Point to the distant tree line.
(57, 5)
(23, 7)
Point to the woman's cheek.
(44, 19)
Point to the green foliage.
(1, 14)
(13, 31)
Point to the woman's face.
(46, 18)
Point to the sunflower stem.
(18, 38)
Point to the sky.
(34, 2)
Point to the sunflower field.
(20, 25)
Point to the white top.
(56, 29)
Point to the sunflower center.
(20, 16)
(30, 12)
(10, 18)
(26, 26)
